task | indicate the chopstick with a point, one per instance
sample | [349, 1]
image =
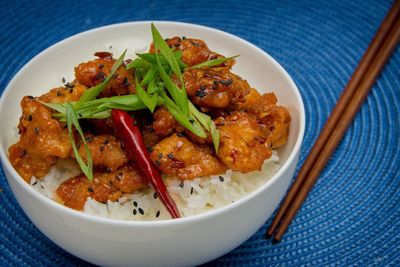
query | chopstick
[364, 77]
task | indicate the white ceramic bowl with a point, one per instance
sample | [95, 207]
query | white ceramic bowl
[187, 241]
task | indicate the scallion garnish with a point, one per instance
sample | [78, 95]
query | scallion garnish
[153, 81]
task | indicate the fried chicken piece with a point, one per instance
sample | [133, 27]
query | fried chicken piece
[163, 123]
[96, 71]
[42, 140]
[242, 145]
[28, 166]
[69, 93]
[177, 156]
[215, 87]
[111, 186]
[106, 151]
[273, 119]
[194, 51]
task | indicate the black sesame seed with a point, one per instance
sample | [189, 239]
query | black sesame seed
[30, 97]
[69, 85]
[155, 195]
[180, 134]
[221, 178]
[194, 44]
[106, 142]
[118, 176]
[100, 76]
[29, 117]
[88, 139]
[101, 66]
[158, 162]
[71, 90]
[125, 81]
[90, 190]
[215, 82]
[166, 39]
[181, 184]
[101, 148]
[158, 214]
[191, 191]
[226, 82]
[151, 130]
[110, 47]
[160, 155]
[150, 149]
[170, 155]
[134, 212]
[183, 37]
[35, 183]
[141, 211]
[214, 86]
[135, 203]
[63, 80]
[200, 94]
[36, 131]
[59, 93]
[202, 88]
[134, 123]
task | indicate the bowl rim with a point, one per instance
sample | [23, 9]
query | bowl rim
[195, 218]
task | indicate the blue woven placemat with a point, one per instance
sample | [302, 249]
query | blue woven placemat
[352, 216]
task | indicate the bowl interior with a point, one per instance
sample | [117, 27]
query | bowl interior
[46, 71]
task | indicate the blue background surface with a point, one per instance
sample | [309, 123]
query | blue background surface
[352, 216]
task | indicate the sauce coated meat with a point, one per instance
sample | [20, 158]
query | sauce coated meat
[106, 151]
[242, 145]
[105, 186]
[96, 71]
[215, 87]
[177, 156]
[194, 51]
[250, 125]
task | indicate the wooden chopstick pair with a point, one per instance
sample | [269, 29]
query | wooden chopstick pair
[354, 94]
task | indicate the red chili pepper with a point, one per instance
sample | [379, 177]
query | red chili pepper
[135, 148]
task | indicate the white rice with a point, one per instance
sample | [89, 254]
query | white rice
[192, 196]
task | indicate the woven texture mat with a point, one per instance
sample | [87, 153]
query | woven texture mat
[352, 216]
